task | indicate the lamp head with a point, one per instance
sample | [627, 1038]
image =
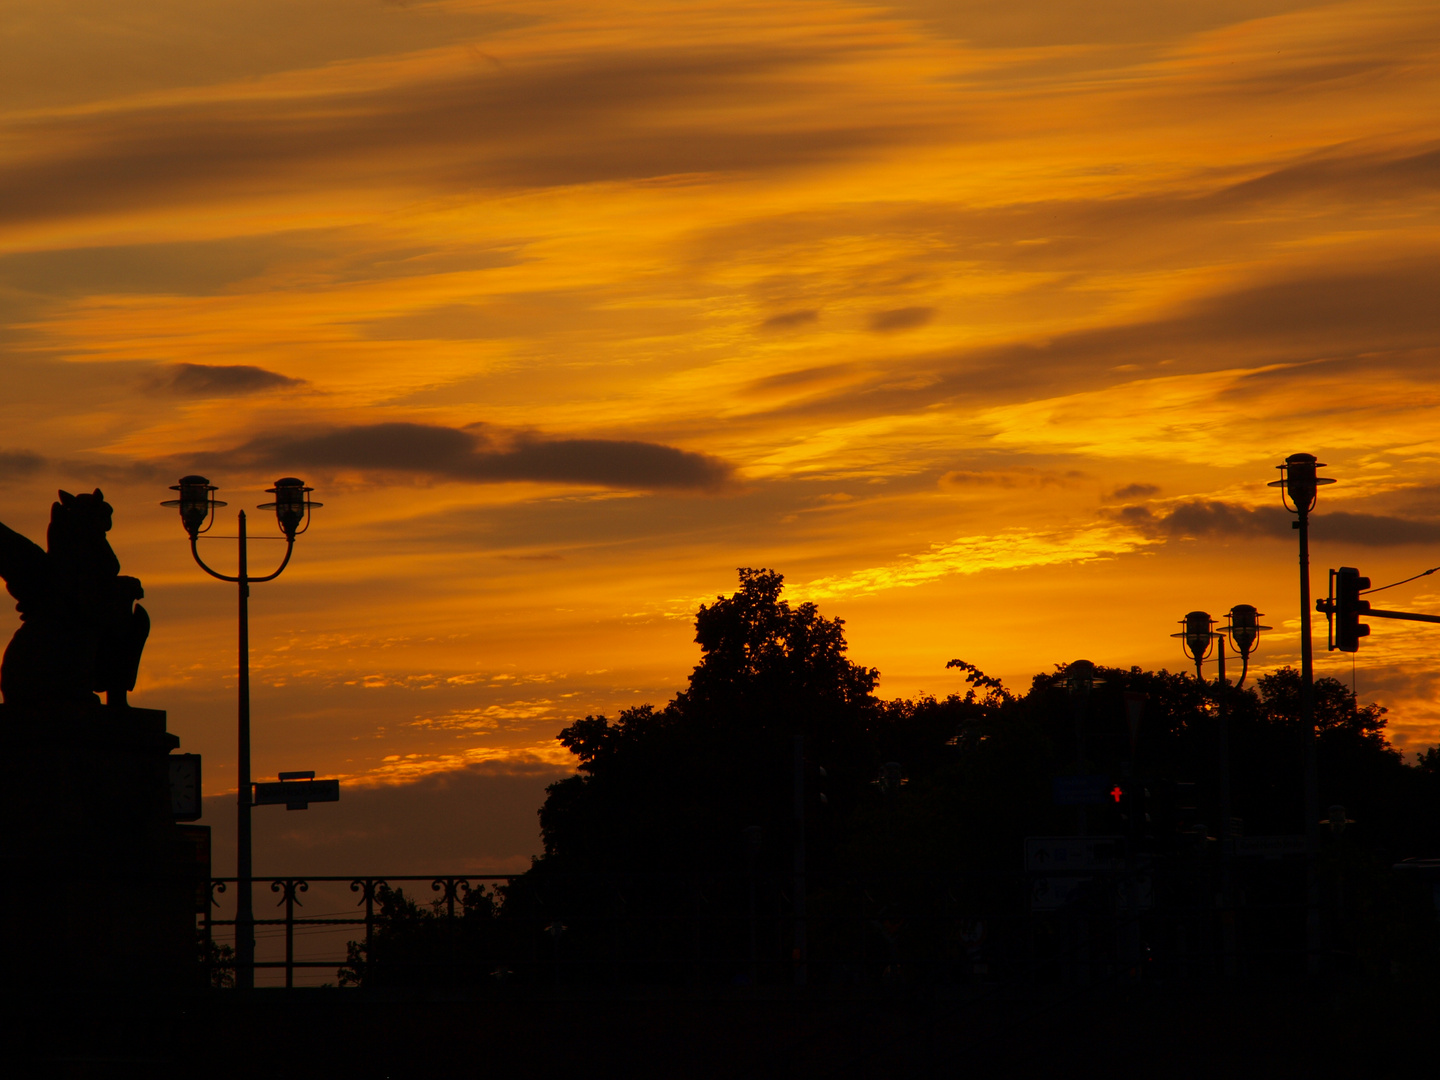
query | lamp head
[1080, 678]
[1244, 628]
[197, 502]
[1198, 638]
[1299, 482]
[292, 505]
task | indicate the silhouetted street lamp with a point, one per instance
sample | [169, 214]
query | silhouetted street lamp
[1299, 486]
[1198, 639]
[292, 506]
[1244, 630]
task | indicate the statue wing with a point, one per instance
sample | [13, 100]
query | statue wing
[22, 564]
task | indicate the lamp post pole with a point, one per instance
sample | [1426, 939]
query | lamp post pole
[244, 868]
[1222, 688]
[1198, 636]
[1227, 849]
[1299, 485]
[292, 508]
[1312, 765]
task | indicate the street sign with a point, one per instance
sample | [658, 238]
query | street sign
[1269, 846]
[297, 794]
[1047, 893]
[1080, 790]
[1067, 854]
[1062, 869]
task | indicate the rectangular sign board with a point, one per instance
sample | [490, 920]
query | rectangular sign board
[1061, 869]
[297, 794]
[1080, 790]
[1067, 854]
[1270, 846]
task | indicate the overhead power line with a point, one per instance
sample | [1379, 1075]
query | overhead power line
[1392, 585]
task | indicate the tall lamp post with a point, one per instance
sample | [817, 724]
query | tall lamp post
[1299, 485]
[1198, 637]
[292, 506]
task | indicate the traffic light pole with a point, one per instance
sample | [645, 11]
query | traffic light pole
[1380, 613]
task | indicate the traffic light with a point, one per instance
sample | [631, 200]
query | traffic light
[1129, 802]
[1349, 607]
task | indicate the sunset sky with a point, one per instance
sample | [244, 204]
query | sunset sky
[984, 323]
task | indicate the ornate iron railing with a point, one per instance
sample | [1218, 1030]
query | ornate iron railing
[977, 930]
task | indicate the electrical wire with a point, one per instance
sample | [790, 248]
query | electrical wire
[1392, 585]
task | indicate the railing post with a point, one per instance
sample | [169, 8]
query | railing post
[452, 887]
[366, 888]
[207, 924]
[288, 887]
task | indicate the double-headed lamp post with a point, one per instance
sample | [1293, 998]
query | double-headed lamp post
[1198, 638]
[1299, 485]
[292, 506]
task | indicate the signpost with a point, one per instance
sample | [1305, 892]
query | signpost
[296, 791]
[1269, 847]
[1062, 868]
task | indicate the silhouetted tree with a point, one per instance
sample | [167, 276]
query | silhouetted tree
[674, 788]
[420, 945]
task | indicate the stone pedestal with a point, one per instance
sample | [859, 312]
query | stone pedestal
[98, 890]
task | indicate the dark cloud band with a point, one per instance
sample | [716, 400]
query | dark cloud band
[479, 455]
[1201, 518]
[218, 380]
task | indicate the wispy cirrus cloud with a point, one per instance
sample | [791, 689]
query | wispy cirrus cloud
[1012, 549]
[583, 117]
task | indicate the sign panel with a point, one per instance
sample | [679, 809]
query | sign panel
[1047, 893]
[185, 786]
[297, 794]
[1062, 869]
[1080, 790]
[1065, 854]
[1270, 846]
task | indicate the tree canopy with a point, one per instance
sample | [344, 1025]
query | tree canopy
[677, 786]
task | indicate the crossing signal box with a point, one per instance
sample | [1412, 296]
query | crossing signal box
[1348, 607]
[1156, 810]
[1127, 803]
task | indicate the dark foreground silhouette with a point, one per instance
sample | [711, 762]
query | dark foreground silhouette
[81, 632]
[776, 825]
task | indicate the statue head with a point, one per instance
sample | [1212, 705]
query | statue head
[78, 520]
